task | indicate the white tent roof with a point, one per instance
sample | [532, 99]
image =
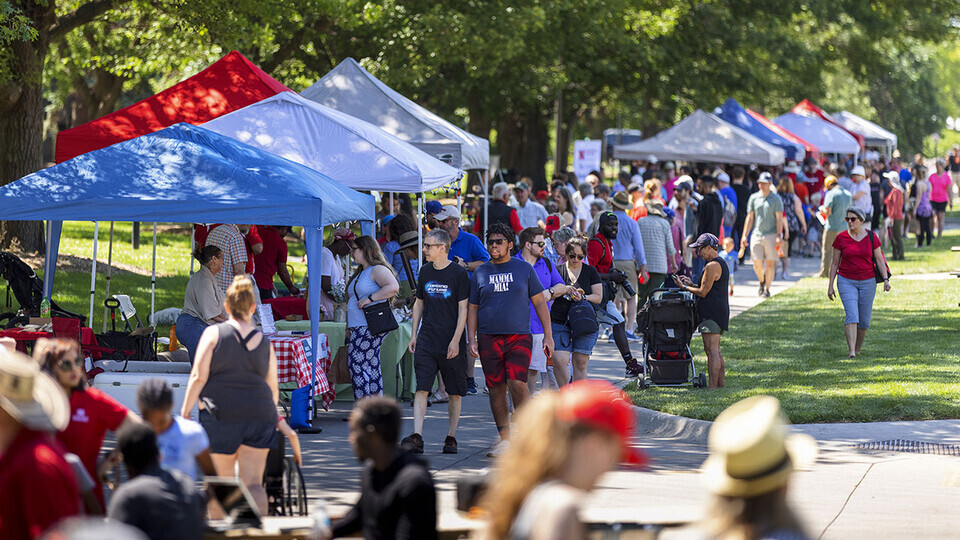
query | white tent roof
[827, 137]
[348, 150]
[874, 134]
[351, 89]
[704, 137]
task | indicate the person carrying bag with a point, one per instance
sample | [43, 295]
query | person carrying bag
[573, 317]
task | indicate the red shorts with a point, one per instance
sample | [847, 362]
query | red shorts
[504, 356]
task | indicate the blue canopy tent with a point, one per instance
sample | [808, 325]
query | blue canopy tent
[186, 173]
[734, 113]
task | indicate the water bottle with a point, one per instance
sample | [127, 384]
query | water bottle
[45, 307]
[174, 345]
[321, 521]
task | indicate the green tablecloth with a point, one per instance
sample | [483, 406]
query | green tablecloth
[396, 364]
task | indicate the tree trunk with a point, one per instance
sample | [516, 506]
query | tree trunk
[21, 135]
[522, 139]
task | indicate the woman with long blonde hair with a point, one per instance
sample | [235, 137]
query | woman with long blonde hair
[793, 214]
[564, 442]
[373, 281]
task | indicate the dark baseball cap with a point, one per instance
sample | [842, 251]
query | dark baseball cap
[706, 239]
[433, 207]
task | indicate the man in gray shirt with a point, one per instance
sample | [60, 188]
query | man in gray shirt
[765, 217]
[162, 503]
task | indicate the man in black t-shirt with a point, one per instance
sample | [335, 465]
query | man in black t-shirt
[439, 343]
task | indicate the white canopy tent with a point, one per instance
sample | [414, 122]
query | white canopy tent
[827, 137]
[704, 137]
[873, 134]
[352, 152]
[351, 89]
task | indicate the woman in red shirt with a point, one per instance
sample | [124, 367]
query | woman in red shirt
[855, 251]
[92, 413]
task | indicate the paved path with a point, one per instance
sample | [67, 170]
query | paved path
[848, 494]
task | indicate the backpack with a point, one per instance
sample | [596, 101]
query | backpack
[729, 211]
[581, 317]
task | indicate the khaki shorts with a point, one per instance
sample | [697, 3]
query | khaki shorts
[763, 248]
[630, 269]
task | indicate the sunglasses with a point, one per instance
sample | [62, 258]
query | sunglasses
[577, 257]
[541, 243]
[852, 219]
[496, 241]
[354, 248]
[67, 365]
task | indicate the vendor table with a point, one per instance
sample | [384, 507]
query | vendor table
[23, 337]
[293, 363]
[396, 364]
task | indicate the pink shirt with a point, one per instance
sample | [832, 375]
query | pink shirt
[940, 183]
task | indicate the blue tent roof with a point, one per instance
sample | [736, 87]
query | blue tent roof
[183, 173]
[734, 113]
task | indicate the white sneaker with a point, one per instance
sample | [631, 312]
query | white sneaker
[498, 449]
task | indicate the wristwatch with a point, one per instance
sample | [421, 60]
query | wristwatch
[550, 290]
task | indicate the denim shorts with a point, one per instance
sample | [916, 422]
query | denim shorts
[857, 298]
[563, 340]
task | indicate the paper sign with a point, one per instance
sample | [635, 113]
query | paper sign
[266, 319]
[586, 157]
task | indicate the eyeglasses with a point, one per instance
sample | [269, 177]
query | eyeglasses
[577, 257]
[851, 219]
[496, 241]
[426, 245]
[67, 365]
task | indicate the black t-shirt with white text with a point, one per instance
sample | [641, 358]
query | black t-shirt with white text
[441, 292]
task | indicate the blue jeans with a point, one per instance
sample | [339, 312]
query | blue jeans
[189, 330]
[697, 269]
[857, 297]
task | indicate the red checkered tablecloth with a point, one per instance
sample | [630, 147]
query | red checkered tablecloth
[293, 364]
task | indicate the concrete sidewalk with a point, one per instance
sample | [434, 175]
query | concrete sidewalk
[847, 494]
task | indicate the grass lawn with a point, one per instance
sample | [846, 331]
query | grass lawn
[929, 259]
[792, 347]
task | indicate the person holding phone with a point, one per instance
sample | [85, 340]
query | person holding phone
[713, 304]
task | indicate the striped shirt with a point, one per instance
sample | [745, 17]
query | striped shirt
[657, 242]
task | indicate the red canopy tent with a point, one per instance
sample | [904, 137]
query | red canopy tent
[231, 83]
[807, 108]
[811, 150]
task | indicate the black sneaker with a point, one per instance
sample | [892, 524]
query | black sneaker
[471, 386]
[633, 368]
[766, 293]
[761, 290]
[413, 443]
[450, 445]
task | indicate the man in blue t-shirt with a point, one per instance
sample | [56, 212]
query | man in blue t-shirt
[466, 250]
[531, 251]
[498, 325]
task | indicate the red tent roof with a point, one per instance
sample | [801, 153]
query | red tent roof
[231, 83]
[812, 151]
[807, 108]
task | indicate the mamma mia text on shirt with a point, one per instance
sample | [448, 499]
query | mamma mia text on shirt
[501, 282]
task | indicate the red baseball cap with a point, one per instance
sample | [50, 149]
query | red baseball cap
[553, 223]
[602, 405]
[542, 194]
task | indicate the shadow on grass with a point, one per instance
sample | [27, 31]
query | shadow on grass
[793, 347]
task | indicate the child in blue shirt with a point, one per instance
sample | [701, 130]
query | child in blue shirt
[729, 256]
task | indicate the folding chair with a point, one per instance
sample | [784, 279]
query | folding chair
[127, 311]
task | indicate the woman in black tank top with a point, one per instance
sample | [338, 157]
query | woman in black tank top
[713, 304]
[234, 378]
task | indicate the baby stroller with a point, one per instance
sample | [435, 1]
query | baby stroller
[668, 320]
[28, 290]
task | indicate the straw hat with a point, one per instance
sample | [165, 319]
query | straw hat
[621, 201]
[30, 396]
[751, 451]
[409, 239]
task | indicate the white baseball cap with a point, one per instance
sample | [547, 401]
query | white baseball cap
[448, 212]
[858, 170]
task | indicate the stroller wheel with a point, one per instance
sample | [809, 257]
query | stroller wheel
[643, 383]
[701, 380]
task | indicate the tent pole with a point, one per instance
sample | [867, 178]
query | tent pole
[93, 269]
[391, 202]
[421, 218]
[153, 277]
[109, 271]
[486, 204]
[193, 245]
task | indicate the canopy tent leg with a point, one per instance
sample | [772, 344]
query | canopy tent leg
[53, 251]
[422, 219]
[153, 276]
[109, 271]
[193, 246]
[93, 269]
[486, 204]
[313, 238]
[391, 204]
